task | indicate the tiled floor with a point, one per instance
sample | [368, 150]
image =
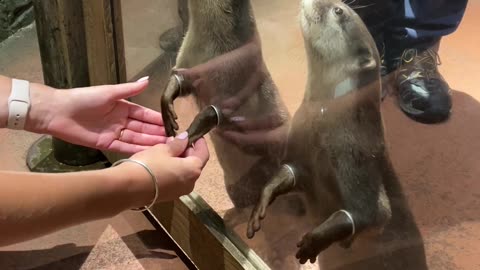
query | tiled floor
[437, 164]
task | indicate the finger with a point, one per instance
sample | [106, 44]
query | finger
[125, 90]
[126, 148]
[266, 122]
[178, 145]
[132, 137]
[200, 151]
[143, 114]
[252, 85]
[255, 137]
[189, 75]
[145, 128]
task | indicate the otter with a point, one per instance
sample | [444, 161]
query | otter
[336, 153]
[220, 63]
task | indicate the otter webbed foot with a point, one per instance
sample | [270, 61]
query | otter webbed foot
[281, 183]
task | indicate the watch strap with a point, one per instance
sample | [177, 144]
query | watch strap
[18, 104]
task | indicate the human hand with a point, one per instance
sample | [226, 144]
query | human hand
[176, 166]
[231, 77]
[267, 134]
[100, 117]
[228, 82]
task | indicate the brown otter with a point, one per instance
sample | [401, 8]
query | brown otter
[220, 63]
[336, 153]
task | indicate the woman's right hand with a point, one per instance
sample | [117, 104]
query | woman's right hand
[176, 166]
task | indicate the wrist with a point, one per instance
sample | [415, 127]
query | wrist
[135, 183]
[42, 105]
[5, 89]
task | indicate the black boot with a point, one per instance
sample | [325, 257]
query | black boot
[423, 93]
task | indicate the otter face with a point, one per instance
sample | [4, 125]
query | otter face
[336, 34]
[334, 31]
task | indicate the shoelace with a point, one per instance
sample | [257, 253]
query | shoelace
[425, 64]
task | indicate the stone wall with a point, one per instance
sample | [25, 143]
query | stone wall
[14, 14]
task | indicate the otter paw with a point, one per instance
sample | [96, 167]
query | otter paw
[308, 249]
[169, 117]
[254, 223]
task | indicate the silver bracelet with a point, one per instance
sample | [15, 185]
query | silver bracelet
[154, 179]
[351, 220]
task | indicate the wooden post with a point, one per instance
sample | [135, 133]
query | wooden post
[78, 48]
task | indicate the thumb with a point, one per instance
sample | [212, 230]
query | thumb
[177, 146]
[126, 90]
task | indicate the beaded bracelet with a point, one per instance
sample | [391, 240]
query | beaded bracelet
[154, 179]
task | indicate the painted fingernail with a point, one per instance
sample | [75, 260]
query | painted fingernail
[182, 136]
[143, 79]
[237, 119]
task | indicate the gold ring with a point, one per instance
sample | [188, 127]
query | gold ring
[121, 134]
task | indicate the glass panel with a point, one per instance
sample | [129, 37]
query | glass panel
[289, 97]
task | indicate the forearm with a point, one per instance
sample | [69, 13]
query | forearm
[32, 205]
[42, 102]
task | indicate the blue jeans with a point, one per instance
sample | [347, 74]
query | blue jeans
[411, 22]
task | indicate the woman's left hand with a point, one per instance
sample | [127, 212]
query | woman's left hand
[100, 117]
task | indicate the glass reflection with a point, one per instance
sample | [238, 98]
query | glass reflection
[298, 129]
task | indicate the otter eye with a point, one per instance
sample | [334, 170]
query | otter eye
[338, 11]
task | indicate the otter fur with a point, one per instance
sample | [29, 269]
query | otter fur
[220, 63]
[336, 153]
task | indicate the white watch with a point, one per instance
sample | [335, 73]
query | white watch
[18, 104]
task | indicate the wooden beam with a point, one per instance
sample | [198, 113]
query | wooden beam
[203, 236]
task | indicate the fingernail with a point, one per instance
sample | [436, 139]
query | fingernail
[143, 79]
[237, 119]
[182, 136]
